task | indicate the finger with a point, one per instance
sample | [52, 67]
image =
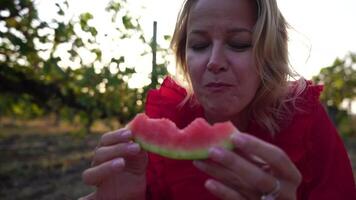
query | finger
[251, 176]
[222, 191]
[136, 164]
[274, 156]
[95, 175]
[252, 158]
[106, 153]
[220, 173]
[240, 173]
[110, 138]
[228, 177]
[91, 196]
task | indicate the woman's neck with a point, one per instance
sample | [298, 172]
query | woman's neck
[240, 121]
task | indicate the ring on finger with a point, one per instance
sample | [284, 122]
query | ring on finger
[274, 193]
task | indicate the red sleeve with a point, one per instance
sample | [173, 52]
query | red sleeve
[156, 188]
[330, 162]
[162, 102]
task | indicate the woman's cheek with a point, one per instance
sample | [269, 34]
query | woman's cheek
[196, 69]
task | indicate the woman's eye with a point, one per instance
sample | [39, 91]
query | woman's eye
[199, 47]
[239, 46]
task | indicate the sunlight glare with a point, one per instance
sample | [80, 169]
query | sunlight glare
[322, 30]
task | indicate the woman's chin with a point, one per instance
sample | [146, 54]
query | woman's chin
[218, 114]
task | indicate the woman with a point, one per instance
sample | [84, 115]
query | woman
[234, 55]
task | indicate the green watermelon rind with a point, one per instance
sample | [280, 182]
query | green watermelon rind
[182, 154]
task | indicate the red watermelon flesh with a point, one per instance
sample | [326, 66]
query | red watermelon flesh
[162, 136]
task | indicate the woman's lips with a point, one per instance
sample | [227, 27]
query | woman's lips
[218, 86]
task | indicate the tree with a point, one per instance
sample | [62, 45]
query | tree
[35, 75]
[339, 82]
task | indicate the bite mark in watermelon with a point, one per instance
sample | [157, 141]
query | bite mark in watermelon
[161, 136]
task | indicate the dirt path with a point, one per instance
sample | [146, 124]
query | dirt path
[41, 166]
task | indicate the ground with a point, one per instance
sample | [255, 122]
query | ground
[39, 161]
[42, 161]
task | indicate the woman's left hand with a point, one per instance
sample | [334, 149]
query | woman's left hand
[237, 175]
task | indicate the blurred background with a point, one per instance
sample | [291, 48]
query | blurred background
[71, 70]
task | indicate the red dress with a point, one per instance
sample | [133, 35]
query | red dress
[310, 140]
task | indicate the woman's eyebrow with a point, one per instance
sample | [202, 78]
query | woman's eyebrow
[229, 31]
[197, 32]
[238, 30]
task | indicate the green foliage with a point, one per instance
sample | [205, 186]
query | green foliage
[126, 20]
[33, 84]
[339, 82]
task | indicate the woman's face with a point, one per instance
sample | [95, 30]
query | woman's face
[219, 56]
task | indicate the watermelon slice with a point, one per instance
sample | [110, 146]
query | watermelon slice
[161, 136]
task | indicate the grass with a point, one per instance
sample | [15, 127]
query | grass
[41, 161]
[38, 163]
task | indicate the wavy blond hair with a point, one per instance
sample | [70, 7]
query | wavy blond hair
[270, 51]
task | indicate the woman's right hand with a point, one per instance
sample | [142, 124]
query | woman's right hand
[118, 168]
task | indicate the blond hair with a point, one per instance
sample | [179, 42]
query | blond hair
[270, 51]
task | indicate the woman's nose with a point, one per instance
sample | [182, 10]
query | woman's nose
[217, 60]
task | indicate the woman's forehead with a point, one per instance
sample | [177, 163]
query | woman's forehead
[218, 7]
[207, 13]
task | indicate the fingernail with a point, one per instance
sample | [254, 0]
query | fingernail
[216, 153]
[198, 164]
[239, 140]
[133, 148]
[126, 134]
[118, 163]
[210, 185]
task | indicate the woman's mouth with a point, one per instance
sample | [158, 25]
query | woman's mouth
[218, 86]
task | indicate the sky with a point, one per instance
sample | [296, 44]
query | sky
[321, 29]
